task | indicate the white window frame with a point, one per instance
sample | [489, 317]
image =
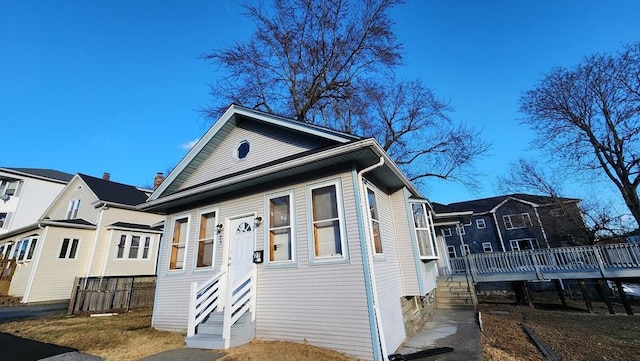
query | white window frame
[67, 251]
[481, 223]
[509, 218]
[533, 243]
[373, 222]
[450, 250]
[433, 247]
[292, 228]
[487, 247]
[236, 150]
[460, 230]
[446, 232]
[171, 235]
[5, 220]
[344, 256]
[72, 210]
[5, 187]
[213, 239]
[126, 247]
[464, 249]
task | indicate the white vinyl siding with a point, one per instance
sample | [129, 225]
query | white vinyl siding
[267, 144]
[406, 253]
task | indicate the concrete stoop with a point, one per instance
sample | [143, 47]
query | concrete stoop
[453, 293]
[209, 334]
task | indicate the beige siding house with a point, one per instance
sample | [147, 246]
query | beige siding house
[92, 229]
[281, 230]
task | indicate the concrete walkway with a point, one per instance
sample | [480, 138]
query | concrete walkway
[458, 329]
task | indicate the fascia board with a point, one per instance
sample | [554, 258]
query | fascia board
[66, 225]
[33, 176]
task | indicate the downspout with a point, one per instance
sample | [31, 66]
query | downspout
[375, 319]
[544, 234]
[495, 222]
[36, 257]
[95, 244]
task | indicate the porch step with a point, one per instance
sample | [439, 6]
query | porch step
[453, 293]
[209, 334]
[8, 301]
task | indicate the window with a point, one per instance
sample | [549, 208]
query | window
[280, 228]
[375, 222]
[452, 251]
[69, 248]
[3, 220]
[129, 247]
[423, 227]
[326, 221]
[242, 150]
[206, 239]
[72, 211]
[515, 221]
[24, 248]
[464, 249]
[10, 187]
[16, 250]
[6, 250]
[460, 230]
[480, 224]
[446, 232]
[524, 244]
[179, 243]
[487, 247]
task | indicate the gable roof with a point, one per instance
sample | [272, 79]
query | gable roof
[40, 173]
[488, 204]
[343, 149]
[221, 128]
[113, 192]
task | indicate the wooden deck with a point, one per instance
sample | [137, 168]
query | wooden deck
[612, 261]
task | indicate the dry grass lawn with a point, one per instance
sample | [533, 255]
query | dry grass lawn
[129, 336]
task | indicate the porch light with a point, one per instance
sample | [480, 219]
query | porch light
[219, 227]
[258, 221]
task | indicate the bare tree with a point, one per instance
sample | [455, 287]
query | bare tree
[588, 118]
[332, 63]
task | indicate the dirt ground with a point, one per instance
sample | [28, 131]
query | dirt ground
[571, 332]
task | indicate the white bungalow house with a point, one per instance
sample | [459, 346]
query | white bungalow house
[91, 229]
[281, 230]
[25, 193]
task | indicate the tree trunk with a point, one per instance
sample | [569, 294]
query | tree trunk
[630, 195]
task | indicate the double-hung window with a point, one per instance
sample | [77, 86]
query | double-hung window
[131, 246]
[10, 188]
[69, 248]
[206, 239]
[74, 206]
[281, 247]
[179, 243]
[327, 221]
[424, 231]
[487, 247]
[480, 223]
[464, 249]
[515, 221]
[374, 216]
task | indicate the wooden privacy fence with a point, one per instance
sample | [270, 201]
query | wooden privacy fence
[7, 268]
[100, 294]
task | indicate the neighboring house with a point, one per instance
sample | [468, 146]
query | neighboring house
[316, 233]
[512, 222]
[91, 229]
[25, 193]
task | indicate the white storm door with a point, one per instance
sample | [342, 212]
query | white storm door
[242, 236]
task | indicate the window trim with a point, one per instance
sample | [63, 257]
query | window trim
[216, 216]
[5, 187]
[69, 249]
[74, 206]
[175, 219]
[507, 218]
[292, 226]
[460, 230]
[446, 232]
[452, 248]
[531, 244]
[481, 220]
[372, 220]
[236, 150]
[126, 247]
[429, 228]
[344, 257]
[464, 249]
[484, 247]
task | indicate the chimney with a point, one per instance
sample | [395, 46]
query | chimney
[158, 180]
[106, 176]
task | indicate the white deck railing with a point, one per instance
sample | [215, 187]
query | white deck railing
[601, 261]
[205, 299]
[239, 299]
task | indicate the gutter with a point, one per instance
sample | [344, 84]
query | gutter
[375, 319]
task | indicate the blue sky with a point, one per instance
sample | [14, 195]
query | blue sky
[114, 86]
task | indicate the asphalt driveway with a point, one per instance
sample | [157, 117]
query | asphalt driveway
[34, 311]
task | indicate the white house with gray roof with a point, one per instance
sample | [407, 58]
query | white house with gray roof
[281, 230]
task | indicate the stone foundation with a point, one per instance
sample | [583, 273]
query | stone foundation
[416, 311]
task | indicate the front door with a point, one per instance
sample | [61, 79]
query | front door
[242, 238]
